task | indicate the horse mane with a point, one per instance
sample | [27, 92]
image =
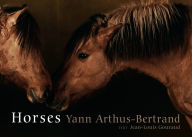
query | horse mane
[149, 28]
[27, 31]
[152, 28]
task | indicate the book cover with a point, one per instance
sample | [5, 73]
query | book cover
[95, 68]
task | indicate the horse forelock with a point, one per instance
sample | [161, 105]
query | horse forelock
[26, 30]
[149, 29]
[84, 32]
[28, 33]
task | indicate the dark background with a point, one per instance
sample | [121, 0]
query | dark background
[128, 93]
[59, 18]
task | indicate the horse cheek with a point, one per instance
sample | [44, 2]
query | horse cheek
[75, 72]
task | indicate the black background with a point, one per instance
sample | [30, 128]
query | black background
[128, 93]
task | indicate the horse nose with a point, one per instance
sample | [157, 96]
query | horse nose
[37, 98]
[34, 97]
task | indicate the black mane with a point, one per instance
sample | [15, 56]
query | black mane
[27, 30]
[149, 29]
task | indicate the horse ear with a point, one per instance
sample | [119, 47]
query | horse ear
[12, 17]
[104, 34]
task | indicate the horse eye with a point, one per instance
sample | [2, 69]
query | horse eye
[83, 56]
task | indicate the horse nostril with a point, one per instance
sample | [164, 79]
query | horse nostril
[33, 95]
[31, 90]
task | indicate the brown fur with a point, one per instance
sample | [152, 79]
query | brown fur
[108, 44]
[27, 70]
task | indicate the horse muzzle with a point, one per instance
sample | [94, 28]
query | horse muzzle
[35, 98]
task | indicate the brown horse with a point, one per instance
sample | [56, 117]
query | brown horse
[20, 60]
[153, 37]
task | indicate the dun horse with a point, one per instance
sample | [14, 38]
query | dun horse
[20, 58]
[153, 37]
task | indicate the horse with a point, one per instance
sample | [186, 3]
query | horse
[153, 37]
[21, 62]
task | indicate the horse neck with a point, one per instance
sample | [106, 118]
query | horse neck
[173, 70]
[160, 68]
